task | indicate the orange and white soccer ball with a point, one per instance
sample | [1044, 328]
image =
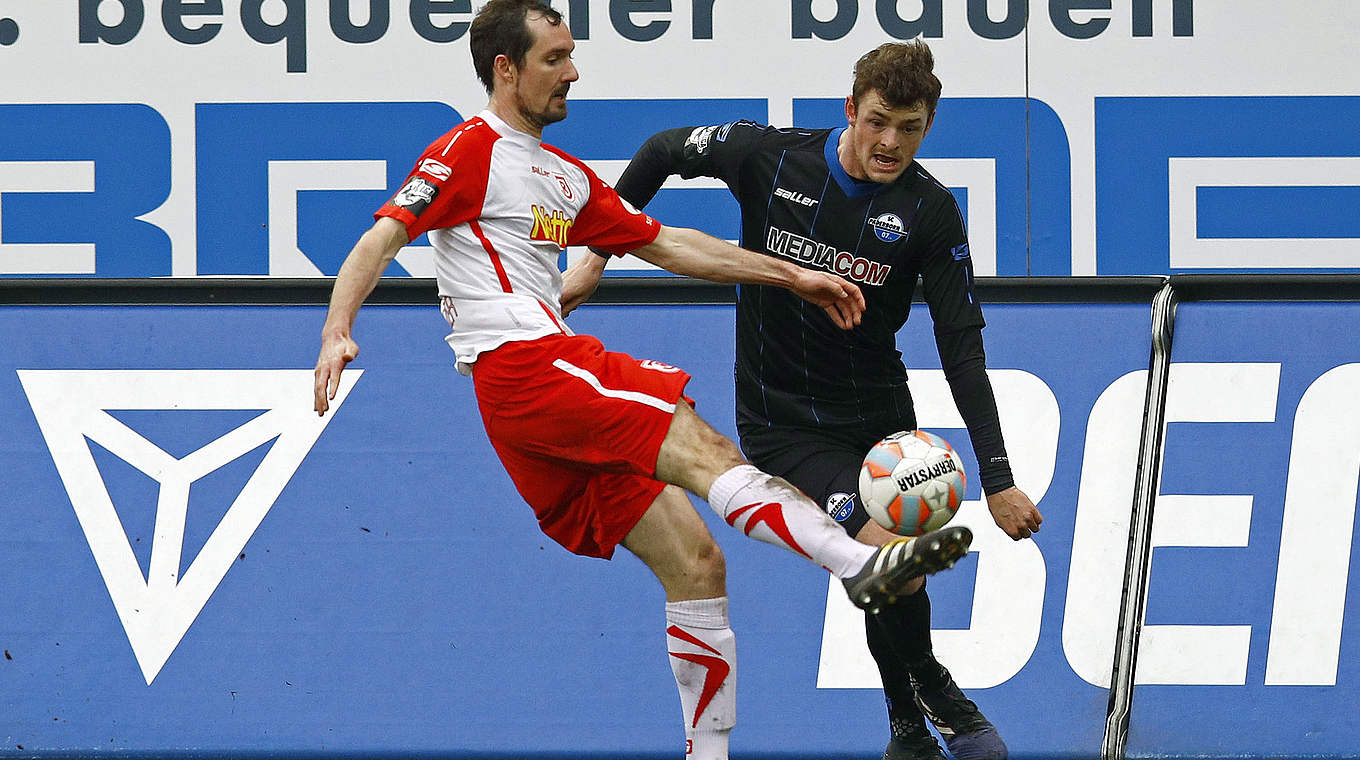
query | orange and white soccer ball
[911, 482]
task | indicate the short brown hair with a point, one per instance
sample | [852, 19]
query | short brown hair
[501, 27]
[901, 72]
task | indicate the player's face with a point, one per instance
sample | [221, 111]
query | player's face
[541, 84]
[881, 142]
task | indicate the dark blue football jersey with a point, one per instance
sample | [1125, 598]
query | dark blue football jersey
[794, 366]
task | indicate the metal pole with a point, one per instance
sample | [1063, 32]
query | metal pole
[1146, 483]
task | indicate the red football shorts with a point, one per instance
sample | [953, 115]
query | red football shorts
[578, 429]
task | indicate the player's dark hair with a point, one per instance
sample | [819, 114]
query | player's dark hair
[903, 74]
[501, 28]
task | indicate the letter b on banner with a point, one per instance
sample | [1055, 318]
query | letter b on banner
[70, 196]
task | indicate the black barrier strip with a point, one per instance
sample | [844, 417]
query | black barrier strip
[414, 291]
[1146, 480]
[1268, 287]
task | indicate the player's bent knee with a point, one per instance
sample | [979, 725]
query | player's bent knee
[710, 563]
[701, 575]
[693, 454]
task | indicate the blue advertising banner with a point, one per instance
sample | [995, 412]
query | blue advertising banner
[194, 561]
[1250, 612]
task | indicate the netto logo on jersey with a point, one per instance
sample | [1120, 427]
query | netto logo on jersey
[840, 505]
[550, 226]
[888, 227]
[795, 197]
[823, 256]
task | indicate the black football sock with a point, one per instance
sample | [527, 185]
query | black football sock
[903, 713]
[906, 623]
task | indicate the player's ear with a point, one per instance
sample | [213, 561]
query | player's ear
[850, 109]
[930, 120]
[504, 69]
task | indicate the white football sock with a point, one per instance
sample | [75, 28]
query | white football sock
[703, 654]
[771, 510]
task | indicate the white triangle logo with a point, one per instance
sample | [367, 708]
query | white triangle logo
[156, 611]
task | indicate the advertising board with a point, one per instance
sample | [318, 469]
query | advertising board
[145, 138]
[196, 562]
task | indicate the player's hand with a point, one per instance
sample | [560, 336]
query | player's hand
[1014, 513]
[580, 280]
[840, 298]
[336, 352]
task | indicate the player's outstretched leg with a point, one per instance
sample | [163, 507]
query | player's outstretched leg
[697, 458]
[882, 579]
[769, 509]
[967, 734]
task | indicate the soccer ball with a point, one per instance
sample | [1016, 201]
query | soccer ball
[911, 482]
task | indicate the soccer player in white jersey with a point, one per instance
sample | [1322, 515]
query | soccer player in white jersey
[591, 437]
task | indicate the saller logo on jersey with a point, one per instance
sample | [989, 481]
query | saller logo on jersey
[826, 257]
[795, 197]
[550, 226]
[416, 196]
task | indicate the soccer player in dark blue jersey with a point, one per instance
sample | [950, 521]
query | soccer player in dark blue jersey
[811, 398]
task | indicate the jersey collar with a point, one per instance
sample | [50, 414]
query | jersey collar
[503, 129]
[852, 187]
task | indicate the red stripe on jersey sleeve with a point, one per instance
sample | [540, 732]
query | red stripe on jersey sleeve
[607, 222]
[448, 184]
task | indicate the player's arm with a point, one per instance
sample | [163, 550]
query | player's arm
[695, 254]
[666, 153]
[580, 280]
[711, 151]
[965, 368]
[358, 276]
[660, 157]
[947, 284]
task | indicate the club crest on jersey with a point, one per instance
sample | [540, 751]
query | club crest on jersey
[564, 185]
[839, 505]
[416, 196]
[888, 227]
[959, 252]
[551, 226]
[561, 178]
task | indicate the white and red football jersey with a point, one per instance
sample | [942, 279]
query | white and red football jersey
[499, 207]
